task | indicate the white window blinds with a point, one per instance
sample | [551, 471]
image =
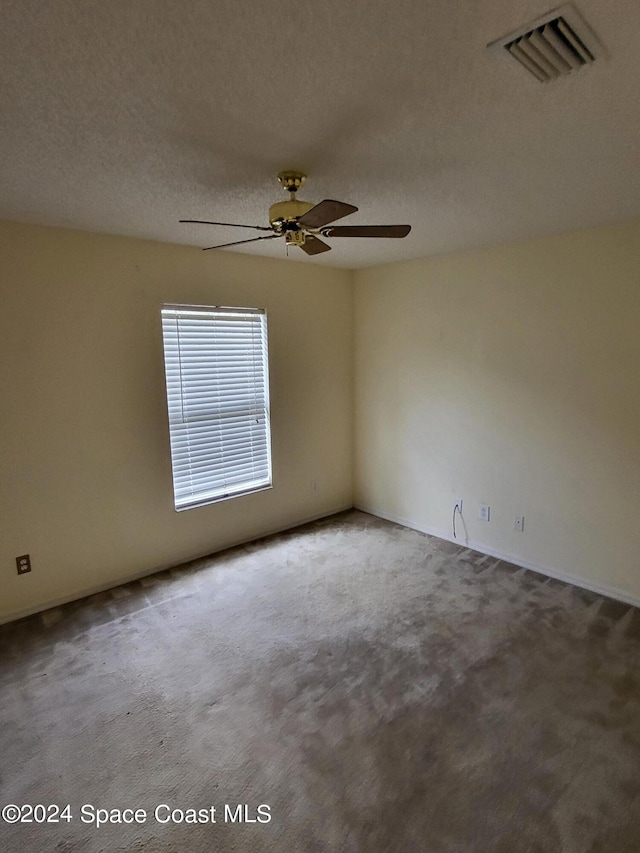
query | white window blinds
[218, 397]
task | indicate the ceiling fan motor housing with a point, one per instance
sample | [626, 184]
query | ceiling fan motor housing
[283, 215]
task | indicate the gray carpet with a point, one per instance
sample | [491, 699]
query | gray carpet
[378, 689]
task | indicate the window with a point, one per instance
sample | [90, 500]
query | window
[218, 397]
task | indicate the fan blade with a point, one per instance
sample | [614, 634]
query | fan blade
[230, 224]
[324, 212]
[238, 242]
[313, 246]
[367, 231]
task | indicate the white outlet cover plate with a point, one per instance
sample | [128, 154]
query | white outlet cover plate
[485, 512]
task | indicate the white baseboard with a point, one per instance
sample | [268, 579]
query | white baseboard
[575, 580]
[93, 590]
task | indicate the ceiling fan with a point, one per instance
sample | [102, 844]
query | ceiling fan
[302, 223]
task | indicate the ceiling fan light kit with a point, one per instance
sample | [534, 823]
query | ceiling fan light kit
[302, 223]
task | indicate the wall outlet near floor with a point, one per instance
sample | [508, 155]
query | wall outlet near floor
[314, 485]
[24, 564]
[519, 523]
[457, 505]
[485, 512]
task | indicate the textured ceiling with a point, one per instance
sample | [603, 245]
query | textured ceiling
[123, 117]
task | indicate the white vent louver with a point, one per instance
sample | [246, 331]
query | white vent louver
[556, 44]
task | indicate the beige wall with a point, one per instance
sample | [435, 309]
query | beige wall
[511, 377]
[86, 474]
[504, 376]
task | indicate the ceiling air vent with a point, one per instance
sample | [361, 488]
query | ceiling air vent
[555, 44]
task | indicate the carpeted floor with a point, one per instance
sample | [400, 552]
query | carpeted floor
[377, 689]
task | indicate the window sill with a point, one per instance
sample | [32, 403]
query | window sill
[219, 498]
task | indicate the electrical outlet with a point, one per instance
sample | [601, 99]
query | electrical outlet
[314, 485]
[519, 523]
[457, 505]
[24, 564]
[485, 512]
